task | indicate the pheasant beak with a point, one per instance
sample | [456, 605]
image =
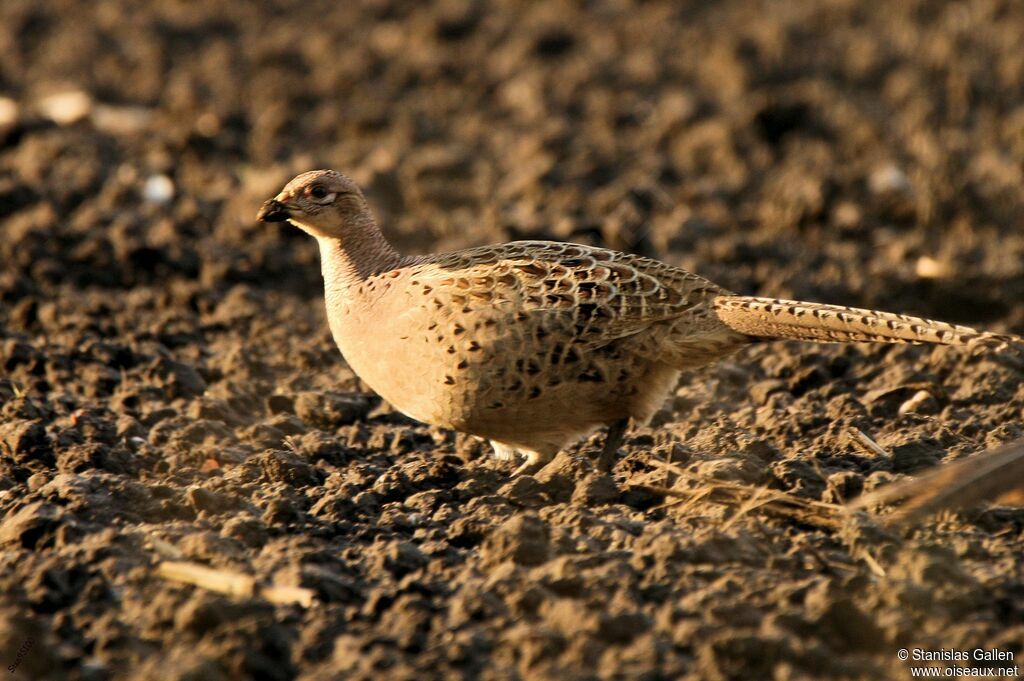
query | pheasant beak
[273, 211]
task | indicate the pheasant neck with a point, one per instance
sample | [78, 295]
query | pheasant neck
[360, 255]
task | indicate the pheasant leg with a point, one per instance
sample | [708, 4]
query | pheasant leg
[612, 442]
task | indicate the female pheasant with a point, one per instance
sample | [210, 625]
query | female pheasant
[535, 344]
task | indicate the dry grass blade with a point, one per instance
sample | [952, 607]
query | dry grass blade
[994, 475]
[871, 562]
[166, 549]
[766, 500]
[865, 441]
[287, 594]
[756, 500]
[221, 581]
[748, 499]
[232, 583]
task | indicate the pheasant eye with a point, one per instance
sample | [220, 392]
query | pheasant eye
[318, 192]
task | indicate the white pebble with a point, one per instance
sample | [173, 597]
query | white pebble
[921, 403]
[930, 268]
[158, 189]
[65, 108]
[889, 179]
[8, 111]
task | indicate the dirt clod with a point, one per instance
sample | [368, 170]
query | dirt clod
[523, 539]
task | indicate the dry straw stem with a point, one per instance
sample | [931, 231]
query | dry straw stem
[747, 499]
[166, 549]
[863, 440]
[996, 475]
[762, 499]
[232, 583]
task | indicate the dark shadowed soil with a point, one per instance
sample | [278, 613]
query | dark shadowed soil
[169, 388]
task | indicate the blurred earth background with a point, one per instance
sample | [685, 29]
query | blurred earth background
[169, 388]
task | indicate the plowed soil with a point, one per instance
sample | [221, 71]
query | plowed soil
[169, 389]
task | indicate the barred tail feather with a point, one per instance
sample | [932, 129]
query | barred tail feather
[767, 318]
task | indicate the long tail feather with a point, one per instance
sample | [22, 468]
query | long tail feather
[767, 318]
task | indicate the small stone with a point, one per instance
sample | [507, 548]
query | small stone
[885, 402]
[8, 112]
[928, 267]
[889, 179]
[65, 108]
[922, 402]
[158, 189]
